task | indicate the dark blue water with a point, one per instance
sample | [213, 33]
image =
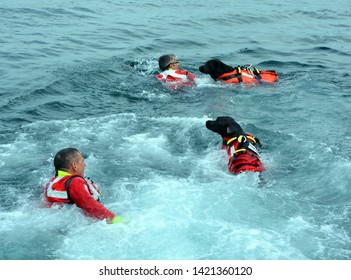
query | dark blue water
[81, 73]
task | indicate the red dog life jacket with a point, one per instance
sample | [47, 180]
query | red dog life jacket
[249, 75]
[242, 154]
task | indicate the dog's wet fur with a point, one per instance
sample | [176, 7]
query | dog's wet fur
[215, 68]
[225, 126]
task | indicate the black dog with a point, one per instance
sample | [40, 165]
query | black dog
[241, 146]
[240, 74]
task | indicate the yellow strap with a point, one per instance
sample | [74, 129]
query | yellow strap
[239, 70]
[240, 139]
[240, 150]
[231, 140]
[252, 138]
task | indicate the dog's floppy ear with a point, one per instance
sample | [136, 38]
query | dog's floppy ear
[231, 129]
[235, 129]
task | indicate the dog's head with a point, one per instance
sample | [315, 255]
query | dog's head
[215, 68]
[225, 126]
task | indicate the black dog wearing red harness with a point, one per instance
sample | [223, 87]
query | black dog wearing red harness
[242, 147]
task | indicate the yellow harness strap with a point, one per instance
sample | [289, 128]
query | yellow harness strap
[240, 138]
[231, 140]
[252, 138]
[240, 150]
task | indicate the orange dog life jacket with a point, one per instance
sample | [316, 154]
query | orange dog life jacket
[249, 75]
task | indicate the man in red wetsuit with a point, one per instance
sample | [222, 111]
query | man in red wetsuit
[70, 186]
[172, 75]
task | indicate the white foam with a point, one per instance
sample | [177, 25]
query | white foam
[176, 194]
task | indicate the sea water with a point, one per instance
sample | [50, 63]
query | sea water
[82, 74]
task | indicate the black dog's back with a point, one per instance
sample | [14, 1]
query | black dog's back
[215, 68]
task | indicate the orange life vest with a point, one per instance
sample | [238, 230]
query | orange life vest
[249, 75]
[176, 78]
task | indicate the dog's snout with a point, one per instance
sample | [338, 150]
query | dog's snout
[210, 124]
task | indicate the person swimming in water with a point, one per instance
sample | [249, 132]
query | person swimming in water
[70, 186]
[171, 74]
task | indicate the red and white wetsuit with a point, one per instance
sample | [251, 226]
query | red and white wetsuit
[79, 191]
